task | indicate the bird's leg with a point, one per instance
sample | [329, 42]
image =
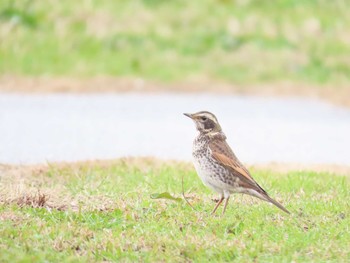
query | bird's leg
[217, 205]
[225, 205]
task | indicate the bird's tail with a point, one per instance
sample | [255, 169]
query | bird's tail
[260, 193]
[269, 199]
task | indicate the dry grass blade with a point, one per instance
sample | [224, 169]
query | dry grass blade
[36, 200]
[183, 194]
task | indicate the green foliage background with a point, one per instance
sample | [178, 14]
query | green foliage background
[242, 41]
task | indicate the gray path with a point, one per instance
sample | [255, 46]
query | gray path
[40, 128]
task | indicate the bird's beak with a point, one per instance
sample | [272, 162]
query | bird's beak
[188, 115]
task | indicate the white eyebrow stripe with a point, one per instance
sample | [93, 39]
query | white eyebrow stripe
[211, 117]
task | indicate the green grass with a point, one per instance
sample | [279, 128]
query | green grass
[240, 42]
[105, 213]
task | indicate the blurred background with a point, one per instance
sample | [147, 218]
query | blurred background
[102, 79]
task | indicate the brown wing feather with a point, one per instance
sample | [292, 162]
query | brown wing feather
[223, 154]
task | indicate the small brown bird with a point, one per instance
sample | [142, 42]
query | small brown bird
[218, 166]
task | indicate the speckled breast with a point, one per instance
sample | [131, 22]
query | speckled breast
[210, 172]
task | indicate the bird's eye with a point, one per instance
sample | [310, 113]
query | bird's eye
[203, 118]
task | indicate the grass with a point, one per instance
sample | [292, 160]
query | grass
[240, 42]
[105, 212]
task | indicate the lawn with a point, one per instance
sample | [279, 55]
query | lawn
[105, 212]
[241, 42]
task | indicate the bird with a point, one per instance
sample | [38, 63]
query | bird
[217, 165]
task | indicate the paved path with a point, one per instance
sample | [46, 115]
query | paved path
[40, 128]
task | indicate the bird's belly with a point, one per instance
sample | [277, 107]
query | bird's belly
[210, 174]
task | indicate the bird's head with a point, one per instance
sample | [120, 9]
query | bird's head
[205, 121]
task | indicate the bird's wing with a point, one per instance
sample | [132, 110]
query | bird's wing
[223, 154]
